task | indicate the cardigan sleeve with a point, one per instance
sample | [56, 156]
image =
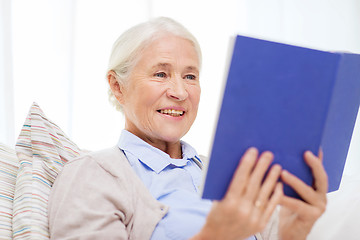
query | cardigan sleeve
[83, 204]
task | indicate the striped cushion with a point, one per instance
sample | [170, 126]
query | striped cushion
[42, 149]
[8, 167]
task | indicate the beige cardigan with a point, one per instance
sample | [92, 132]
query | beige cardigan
[99, 196]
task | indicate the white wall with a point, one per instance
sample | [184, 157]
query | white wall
[60, 52]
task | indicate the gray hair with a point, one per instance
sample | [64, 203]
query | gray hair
[126, 50]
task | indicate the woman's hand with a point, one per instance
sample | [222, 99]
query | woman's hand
[297, 217]
[249, 201]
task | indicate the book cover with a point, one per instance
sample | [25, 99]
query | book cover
[285, 99]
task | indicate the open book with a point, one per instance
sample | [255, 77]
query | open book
[285, 99]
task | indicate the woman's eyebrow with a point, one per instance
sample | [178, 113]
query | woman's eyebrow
[168, 66]
[192, 69]
[161, 65]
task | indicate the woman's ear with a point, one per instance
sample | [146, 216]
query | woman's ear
[115, 87]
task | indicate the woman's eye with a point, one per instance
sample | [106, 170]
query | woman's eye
[190, 77]
[160, 75]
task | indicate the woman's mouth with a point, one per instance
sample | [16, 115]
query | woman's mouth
[171, 112]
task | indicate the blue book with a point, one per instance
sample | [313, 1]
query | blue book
[285, 99]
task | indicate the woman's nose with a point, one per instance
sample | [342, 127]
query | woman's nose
[177, 89]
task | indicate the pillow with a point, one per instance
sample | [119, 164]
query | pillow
[8, 168]
[42, 149]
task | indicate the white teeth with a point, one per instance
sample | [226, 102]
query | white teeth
[172, 112]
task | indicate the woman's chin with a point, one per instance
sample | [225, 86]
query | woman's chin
[172, 135]
[172, 138]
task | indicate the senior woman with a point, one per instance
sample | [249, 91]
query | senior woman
[148, 185]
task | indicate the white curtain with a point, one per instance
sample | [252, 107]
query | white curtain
[6, 82]
[43, 61]
[56, 52]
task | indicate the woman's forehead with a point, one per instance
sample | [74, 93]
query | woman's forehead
[169, 50]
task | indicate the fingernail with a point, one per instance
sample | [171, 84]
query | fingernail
[277, 167]
[268, 154]
[285, 173]
[252, 150]
[309, 153]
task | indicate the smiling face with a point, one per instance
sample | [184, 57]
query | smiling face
[160, 100]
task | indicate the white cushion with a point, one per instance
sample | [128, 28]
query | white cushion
[42, 149]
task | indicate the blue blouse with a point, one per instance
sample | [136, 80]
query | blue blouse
[174, 182]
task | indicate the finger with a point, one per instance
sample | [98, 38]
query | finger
[242, 172]
[321, 154]
[318, 171]
[295, 205]
[273, 202]
[303, 209]
[258, 174]
[269, 184]
[306, 192]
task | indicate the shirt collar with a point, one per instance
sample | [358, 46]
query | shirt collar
[152, 157]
